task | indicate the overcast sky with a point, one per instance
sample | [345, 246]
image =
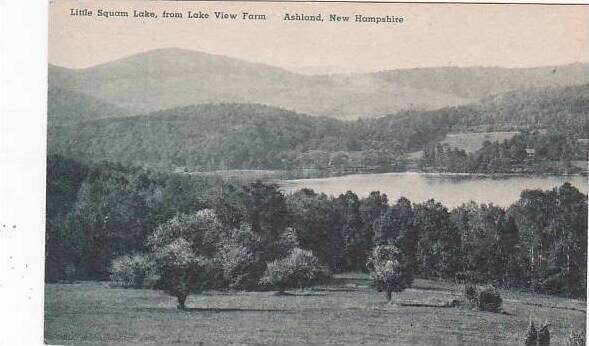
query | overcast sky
[431, 35]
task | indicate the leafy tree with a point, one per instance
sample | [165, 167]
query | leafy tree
[132, 271]
[438, 252]
[553, 228]
[317, 227]
[239, 259]
[239, 255]
[64, 178]
[390, 270]
[397, 227]
[567, 232]
[299, 269]
[106, 221]
[184, 249]
[263, 207]
[510, 255]
[371, 209]
[181, 271]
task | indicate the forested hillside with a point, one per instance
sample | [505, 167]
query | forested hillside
[558, 108]
[234, 136]
[204, 137]
[564, 109]
[242, 136]
[67, 106]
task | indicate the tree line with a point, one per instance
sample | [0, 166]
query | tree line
[99, 213]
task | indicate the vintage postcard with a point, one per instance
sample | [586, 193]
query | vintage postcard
[316, 173]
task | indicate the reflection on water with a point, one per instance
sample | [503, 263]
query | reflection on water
[450, 189]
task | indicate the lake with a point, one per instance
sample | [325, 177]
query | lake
[450, 189]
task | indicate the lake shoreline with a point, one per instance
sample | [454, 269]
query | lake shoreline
[451, 189]
[311, 173]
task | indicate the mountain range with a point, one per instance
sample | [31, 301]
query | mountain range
[168, 78]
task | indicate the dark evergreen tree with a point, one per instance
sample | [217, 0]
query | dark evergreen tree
[531, 337]
[347, 208]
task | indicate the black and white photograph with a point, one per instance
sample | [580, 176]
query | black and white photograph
[316, 173]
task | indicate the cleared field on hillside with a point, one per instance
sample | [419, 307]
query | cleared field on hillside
[471, 142]
[347, 311]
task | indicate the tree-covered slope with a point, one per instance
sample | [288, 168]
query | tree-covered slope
[237, 136]
[202, 137]
[68, 106]
[558, 108]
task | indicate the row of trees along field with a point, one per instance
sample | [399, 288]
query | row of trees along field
[552, 151]
[104, 220]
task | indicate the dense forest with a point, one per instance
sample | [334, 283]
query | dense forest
[234, 136]
[206, 137]
[97, 213]
[251, 136]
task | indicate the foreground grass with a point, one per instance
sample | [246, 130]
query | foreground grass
[347, 311]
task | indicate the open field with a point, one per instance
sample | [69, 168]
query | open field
[347, 311]
[470, 142]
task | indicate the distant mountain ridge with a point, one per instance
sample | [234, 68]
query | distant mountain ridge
[169, 78]
[482, 82]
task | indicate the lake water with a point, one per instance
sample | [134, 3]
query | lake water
[450, 189]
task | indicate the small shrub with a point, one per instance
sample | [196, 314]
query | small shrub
[576, 339]
[132, 271]
[531, 338]
[69, 273]
[483, 299]
[489, 300]
[471, 295]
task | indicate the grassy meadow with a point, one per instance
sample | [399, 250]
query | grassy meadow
[345, 311]
[469, 141]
